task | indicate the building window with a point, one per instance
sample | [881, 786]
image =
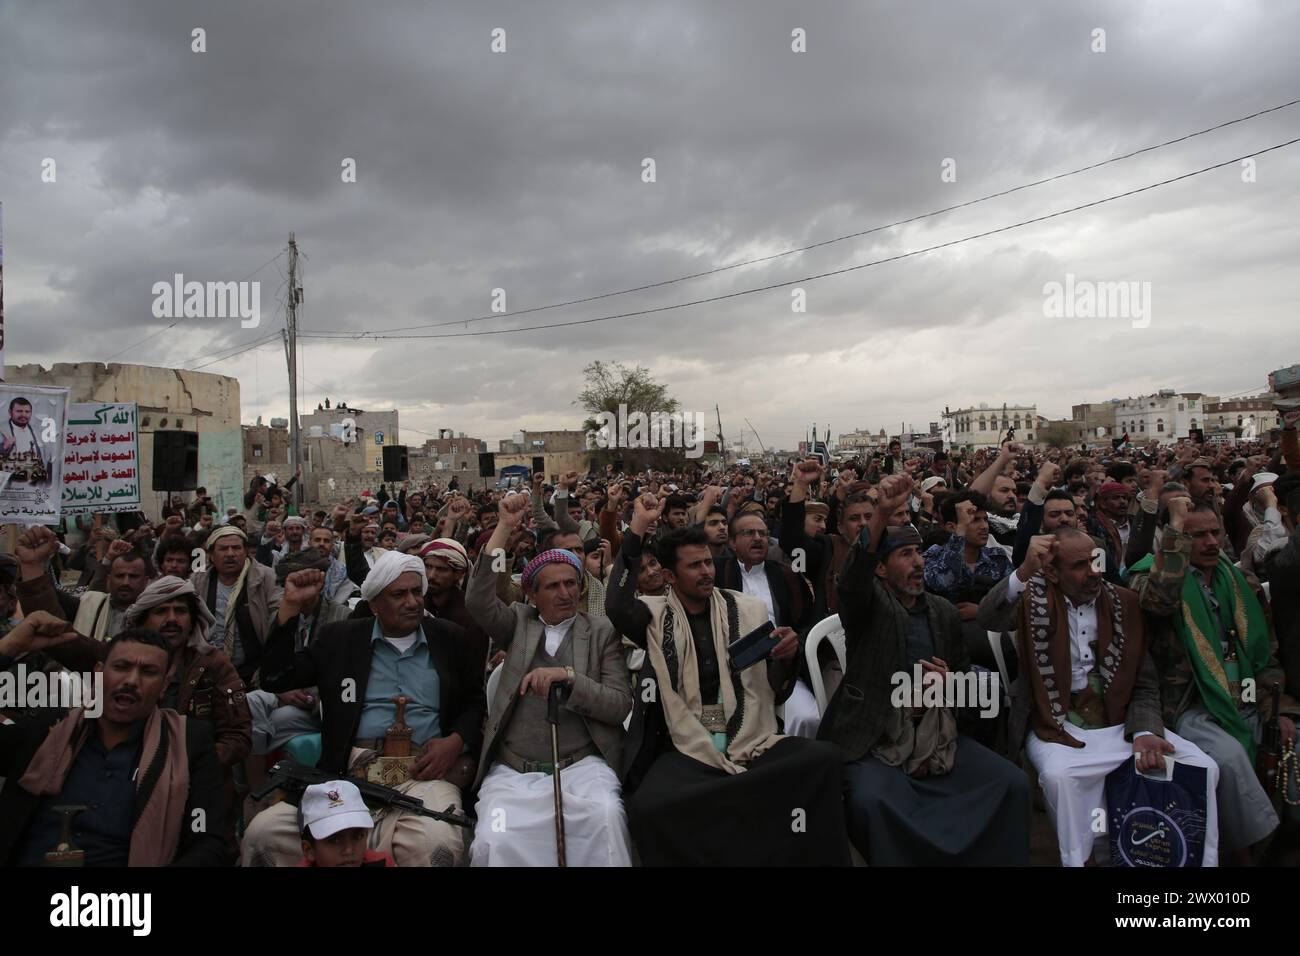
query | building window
[1029, 436]
[983, 424]
[1142, 425]
[1180, 406]
[1017, 423]
[1240, 421]
[257, 451]
[1160, 424]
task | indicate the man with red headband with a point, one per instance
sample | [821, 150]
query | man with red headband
[445, 563]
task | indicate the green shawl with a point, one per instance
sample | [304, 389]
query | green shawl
[1199, 633]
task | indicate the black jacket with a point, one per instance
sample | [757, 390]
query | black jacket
[19, 743]
[875, 639]
[790, 595]
[342, 651]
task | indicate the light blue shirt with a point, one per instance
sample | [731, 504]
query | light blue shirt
[392, 673]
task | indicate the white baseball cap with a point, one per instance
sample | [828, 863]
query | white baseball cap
[1261, 479]
[330, 807]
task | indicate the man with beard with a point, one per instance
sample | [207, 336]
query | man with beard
[173, 557]
[824, 555]
[1000, 491]
[715, 532]
[242, 596]
[1071, 621]
[703, 734]
[784, 596]
[295, 540]
[202, 682]
[338, 588]
[1110, 522]
[93, 613]
[134, 819]
[445, 564]
[1047, 508]
[1201, 482]
[917, 789]
[18, 436]
[364, 669]
[549, 642]
[1210, 641]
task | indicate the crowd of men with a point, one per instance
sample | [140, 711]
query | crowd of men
[422, 641]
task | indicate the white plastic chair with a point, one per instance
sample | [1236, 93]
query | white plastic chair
[995, 644]
[494, 679]
[831, 630]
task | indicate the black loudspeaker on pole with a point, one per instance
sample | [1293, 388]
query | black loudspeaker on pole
[175, 461]
[395, 463]
[487, 464]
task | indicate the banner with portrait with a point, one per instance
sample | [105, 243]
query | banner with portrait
[32, 426]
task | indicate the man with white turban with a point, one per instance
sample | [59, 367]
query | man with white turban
[361, 667]
[241, 594]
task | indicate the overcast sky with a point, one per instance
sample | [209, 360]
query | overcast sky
[522, 170]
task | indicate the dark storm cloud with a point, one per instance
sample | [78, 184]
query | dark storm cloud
[522, 171]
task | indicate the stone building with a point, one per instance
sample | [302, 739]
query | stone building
[167, 400]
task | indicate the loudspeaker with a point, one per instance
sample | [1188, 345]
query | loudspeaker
[395, 464]
[539, 464]
[175, 461]
[487, 464]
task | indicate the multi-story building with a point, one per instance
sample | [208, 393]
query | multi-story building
[450, 443]
[983, 426]
[1095, 420]
[1164, 416]
[374, 429]
[1240, 412]
[1285, 381]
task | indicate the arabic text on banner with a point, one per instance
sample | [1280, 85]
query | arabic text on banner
[101, 458]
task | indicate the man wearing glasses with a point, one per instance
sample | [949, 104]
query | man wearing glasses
[749, 569]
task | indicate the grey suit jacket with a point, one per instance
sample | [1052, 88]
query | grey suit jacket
[601, 691]
[996, 613]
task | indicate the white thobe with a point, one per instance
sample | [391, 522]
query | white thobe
[1073, 779]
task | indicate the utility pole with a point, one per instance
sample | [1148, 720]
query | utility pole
[291, 353]
[722, 442]
[762, 449]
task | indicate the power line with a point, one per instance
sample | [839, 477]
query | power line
[238, 351]
[826, 242]
[182, 317]
[835, 272]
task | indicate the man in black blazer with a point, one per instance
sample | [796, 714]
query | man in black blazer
[748, 569]
[361, 667]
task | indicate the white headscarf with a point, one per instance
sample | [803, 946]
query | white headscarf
[388, 568]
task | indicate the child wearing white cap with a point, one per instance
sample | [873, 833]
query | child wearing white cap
[336, 827]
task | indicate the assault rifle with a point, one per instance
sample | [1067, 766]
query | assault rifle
[293, 778]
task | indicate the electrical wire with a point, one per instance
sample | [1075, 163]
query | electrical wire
[825, 242]
[182, 317]
[824, 275]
